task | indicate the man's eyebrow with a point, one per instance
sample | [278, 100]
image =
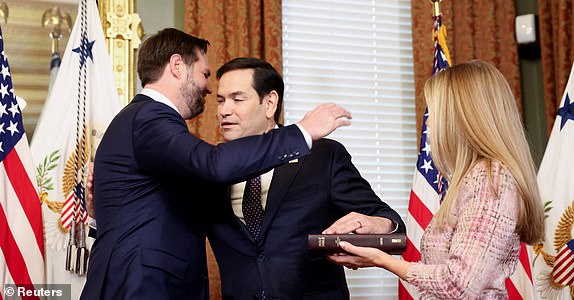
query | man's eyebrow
[233, 94]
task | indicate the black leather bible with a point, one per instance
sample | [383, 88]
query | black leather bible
[392, 243]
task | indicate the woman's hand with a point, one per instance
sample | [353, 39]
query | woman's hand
[362, 257]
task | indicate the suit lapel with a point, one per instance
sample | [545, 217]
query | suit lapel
[283, 177]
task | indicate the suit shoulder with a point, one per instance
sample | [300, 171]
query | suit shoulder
[328, 145]
[148, 104]
[146, 109]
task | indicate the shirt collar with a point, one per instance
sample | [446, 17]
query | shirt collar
[159, 97]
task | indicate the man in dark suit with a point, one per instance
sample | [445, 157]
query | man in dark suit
[152, 178]
[305, 196]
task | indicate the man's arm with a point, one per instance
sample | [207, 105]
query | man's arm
[165, 147]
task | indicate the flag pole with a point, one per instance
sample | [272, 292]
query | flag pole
[436, 7]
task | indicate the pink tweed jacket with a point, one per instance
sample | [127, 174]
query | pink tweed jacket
[471, 259]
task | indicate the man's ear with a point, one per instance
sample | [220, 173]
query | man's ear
[176, 65]
[270, 101]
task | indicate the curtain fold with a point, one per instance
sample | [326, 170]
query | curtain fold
[476, 29]
[557, 51]
[234, 28]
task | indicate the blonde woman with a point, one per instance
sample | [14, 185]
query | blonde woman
[492, 204]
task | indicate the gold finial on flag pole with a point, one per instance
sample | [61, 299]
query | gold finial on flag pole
[4, 11]
[436, 7]
[58, 21]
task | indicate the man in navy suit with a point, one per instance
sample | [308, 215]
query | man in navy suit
[308, 195]
[152, 178]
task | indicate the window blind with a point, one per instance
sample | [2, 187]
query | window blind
[358, 53]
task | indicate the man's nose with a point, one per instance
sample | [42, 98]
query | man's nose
[225, 108]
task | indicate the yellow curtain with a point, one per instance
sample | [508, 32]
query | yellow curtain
[557, 51]
[476, 29]
[234, 28]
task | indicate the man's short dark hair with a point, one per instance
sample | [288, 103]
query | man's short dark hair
[265, 78]
[156, 50]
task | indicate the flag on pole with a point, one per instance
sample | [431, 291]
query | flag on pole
[428, 184]
[429, 187]
[553, 259]
[82, 102]
[54, 67]
[21, 235]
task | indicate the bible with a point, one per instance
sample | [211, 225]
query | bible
[392, 243]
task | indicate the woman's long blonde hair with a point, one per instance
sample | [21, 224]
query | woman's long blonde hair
[473, 117]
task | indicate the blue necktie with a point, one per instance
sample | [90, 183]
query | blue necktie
[251, 207]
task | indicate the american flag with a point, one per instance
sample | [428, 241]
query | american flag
[428, 184]
[429, 187]
[21, 235]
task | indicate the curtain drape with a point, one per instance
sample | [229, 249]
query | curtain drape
[476, 29]
[557, 51]
[234, 28]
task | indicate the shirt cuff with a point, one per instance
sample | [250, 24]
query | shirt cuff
[307, 136]
[92, 223]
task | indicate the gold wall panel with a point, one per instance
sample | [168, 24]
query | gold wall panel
[123, 32]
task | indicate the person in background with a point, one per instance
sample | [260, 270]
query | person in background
[269, 259]
[492, 204]
[152, 177]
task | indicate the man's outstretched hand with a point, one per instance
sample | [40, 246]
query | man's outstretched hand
[324, 119]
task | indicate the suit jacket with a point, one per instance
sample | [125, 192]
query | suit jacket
[152, 182]
[304, 197]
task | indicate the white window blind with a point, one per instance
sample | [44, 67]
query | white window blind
[358, 53]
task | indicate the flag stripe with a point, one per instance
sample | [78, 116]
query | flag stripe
[521, 279]
[27, 195]
[568, 277]
[565, 277]
[525, 261]
[4, 274]
[513, 293]
[404, 293]
[426, 192]
[15, 261]
[417, 208]
[563, 255]
[563, 266]
[412, 253]
[20, 228]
